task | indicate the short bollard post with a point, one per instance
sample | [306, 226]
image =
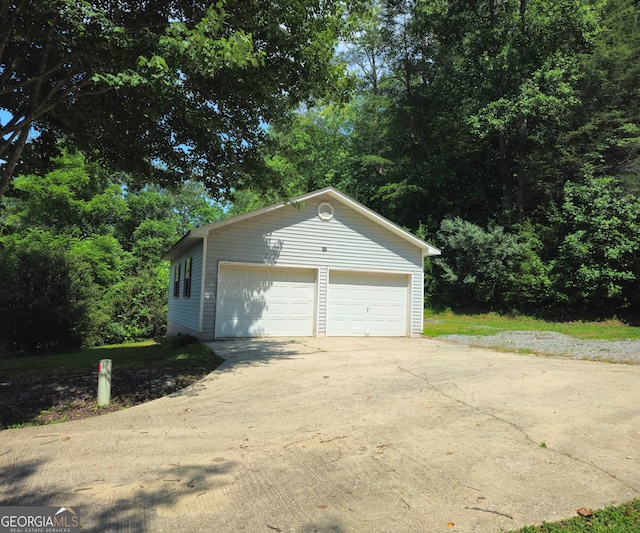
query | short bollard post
[104, 382]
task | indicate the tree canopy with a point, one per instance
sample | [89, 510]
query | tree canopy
[506, 132]
[165, 90]
[486, 124]
[80, 251]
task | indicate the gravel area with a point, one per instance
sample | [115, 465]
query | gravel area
[556, 344]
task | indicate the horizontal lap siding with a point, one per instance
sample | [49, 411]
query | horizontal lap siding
[186, 311]
[294, 236]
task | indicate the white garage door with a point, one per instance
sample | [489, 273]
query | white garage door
[367, 304]
[259, 301]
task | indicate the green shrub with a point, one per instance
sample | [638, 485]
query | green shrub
[597, 235]
[183, 339]
[531, 290]
[47, 295]
[482, 269]
[138, 306]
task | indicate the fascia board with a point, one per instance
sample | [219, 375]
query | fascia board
[175, 250]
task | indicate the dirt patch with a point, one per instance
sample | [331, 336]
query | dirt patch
[40, 400]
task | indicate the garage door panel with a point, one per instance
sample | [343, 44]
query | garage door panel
[394, 296]
[242, 327]
[381, 311]
[253, 275]
[297, 309]
[237, 308]
[260, 301]
[300, 292]
[363, 304]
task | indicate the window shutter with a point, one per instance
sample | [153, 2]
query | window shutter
[176, 281]
[187, 277]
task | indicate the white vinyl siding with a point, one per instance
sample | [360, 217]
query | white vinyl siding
[367, 304]
[184, 313]
[296, 236]
[255, 301]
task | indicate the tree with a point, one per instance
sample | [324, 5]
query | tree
[510, 72]
[75, 197]
[80, 253]
[479, 269]
[597, 262]
[48, 298]
[163, 90]
[605, 133]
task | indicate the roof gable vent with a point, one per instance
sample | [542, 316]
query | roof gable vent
[325, 211]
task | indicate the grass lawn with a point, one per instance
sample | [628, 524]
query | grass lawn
[619, 519]
[448, 323]
[47, 389]
[124, 356]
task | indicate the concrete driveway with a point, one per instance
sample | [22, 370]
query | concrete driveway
[346, 435]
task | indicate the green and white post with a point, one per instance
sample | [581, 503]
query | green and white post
[104, 382]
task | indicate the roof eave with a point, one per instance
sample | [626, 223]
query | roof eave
[175, 250]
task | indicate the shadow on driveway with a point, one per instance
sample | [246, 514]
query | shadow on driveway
[130, 512]
[249, 352]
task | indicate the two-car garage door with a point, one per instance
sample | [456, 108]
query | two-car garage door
[258, 301]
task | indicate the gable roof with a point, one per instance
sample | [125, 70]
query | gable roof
[195, 234]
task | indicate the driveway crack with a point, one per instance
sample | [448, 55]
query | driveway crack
[516, 427]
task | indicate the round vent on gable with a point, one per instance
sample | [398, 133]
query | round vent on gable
[325, 211]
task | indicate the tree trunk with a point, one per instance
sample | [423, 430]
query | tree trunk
[493, 15]
[14, 157]
[505, 174]
[522, 167]
[374, 74]
[33, 103]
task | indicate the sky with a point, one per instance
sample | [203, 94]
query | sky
[4, 118]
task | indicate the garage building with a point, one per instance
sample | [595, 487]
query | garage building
[320, 265]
